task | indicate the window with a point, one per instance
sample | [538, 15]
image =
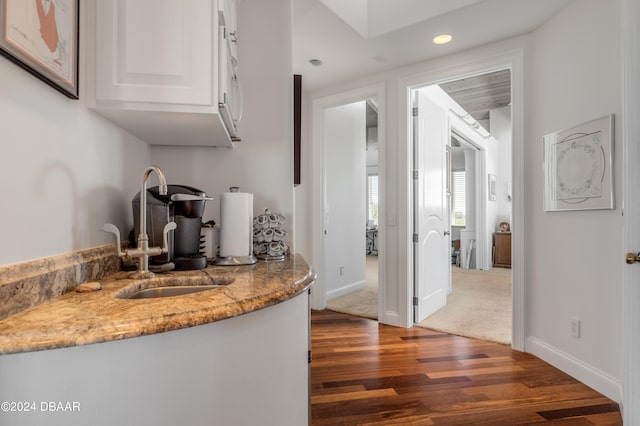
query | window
[458, 207]
[372, 199]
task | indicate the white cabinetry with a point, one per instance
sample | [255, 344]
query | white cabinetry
[244, 371]
[165, 70]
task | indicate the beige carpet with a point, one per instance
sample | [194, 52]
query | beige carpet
[479, 306]
[363, 302]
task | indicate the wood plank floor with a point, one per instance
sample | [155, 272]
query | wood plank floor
[364, 373]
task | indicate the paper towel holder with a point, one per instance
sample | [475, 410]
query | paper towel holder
[235, 260]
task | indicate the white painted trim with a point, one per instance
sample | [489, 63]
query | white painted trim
[631, 209]
[517, 202]
[405, 289]
[317, 194]
[482, 199]
[514, 61]
[581, 371]
[346, 289]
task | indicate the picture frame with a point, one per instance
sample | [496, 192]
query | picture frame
[41, 36]
[493, 196]
[578, 167]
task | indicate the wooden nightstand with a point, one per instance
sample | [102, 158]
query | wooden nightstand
[502, 250]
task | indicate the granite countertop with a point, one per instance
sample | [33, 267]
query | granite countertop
[74, 319]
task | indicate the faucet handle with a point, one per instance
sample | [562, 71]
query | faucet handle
[110, 227]
[165, 235]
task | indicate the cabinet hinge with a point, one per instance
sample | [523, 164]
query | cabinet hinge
[309, 357]
[415, 238]
[414, 111]
[415, 301]
[415, 174]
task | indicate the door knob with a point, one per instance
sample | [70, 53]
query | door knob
[632, 258]
[447, 233]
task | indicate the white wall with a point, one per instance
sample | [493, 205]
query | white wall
[302, 203]
[64, 170]
[574, 259]
[500, 120]
[344, 135]
[262, 163]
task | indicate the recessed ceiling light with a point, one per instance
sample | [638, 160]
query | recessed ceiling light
[442, 39]
[314, 62]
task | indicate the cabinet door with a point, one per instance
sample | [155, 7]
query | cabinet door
[155, 51]
[229, 93]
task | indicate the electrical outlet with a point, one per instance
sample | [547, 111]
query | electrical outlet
[575, 327]
[341, 270]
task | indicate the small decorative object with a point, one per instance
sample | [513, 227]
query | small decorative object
[88, 287]
[268, 236]
[41, 36]
[492, 188]
[504, 227]
[578, 165]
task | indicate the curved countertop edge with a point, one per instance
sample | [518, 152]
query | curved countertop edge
[27, 340]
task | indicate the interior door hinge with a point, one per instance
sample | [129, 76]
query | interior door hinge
[415, 238]
[309, 358]
[415, 175]
[414, 111]
[415, 301]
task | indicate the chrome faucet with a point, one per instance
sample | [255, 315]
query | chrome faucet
[143, 251]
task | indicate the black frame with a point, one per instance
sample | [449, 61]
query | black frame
[297, 123]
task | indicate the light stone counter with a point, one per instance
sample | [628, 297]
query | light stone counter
[73, 319]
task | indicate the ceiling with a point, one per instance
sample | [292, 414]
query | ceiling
[476, 95]
[356, 38]
[372, 18]
[479, 94]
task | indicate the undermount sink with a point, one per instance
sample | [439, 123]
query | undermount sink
[150, 293]
[171, 286]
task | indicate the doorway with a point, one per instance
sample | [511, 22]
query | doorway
[341, 251]
[452, 149]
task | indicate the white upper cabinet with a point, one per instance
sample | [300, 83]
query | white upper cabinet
[166, 70]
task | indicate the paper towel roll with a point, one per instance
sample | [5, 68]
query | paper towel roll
[236, 227]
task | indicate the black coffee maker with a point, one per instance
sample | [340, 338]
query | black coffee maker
[183, 205]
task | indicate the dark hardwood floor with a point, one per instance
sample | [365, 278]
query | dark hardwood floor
[364, 373]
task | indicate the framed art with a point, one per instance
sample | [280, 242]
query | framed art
[492, 188]
[41, 36]
[578, 167]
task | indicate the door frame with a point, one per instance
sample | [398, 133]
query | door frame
[512, 60]
[631, 209]
[318, 186]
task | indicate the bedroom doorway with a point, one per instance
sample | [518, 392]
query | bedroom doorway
[352, 187]
[358, 294]
[466, 155]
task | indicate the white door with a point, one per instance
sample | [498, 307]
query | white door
[432, 250]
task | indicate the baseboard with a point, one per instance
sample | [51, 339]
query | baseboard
[346, 289]
[587, 374]
[392, 318]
